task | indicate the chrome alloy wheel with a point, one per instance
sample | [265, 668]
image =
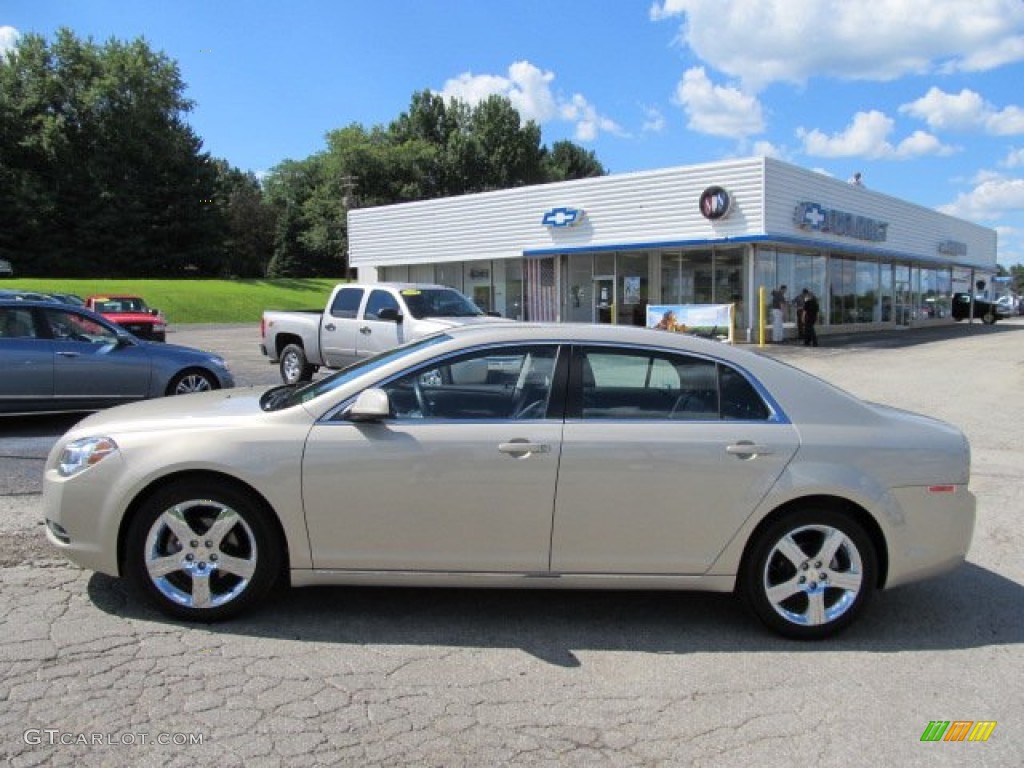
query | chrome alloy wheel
[193, 382]
[813, 575]
[200, 554]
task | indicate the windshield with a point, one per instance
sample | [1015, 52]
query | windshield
[439, 302]
[287, 396]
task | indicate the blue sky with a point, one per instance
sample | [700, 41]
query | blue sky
[924, 97]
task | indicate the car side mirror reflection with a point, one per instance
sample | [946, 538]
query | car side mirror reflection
[370, 405]
[390, 314]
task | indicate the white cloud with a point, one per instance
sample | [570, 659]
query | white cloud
[1015, 159]
[765, 41]
[8, 39]
[654, 120]
[718, 110]
[991, 199]
[528, 88]
[868, 136]
[965, 111]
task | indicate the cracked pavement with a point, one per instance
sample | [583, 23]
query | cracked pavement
[391, 677]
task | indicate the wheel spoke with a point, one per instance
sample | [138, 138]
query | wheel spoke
[221, 527]
[830, 546]
[783, 591]
[200, 589]
[815, 614]
[788, 548]
[848, 580]
[164, 566]
[240, 567]
[174, 519]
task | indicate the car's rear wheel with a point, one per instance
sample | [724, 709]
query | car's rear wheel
[810, 573]
[295, 368]
[201, 551]
[190, 381]
[989, 318]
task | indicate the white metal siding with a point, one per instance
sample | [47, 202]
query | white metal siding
[914, 231]
[647, 209]
[626, 210]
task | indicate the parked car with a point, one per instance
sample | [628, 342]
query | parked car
[69, 298]
[131, 313]
[6, 270]
[20, 295]
[984, 310]
[56, 357]
[360, 321]
[521, 455]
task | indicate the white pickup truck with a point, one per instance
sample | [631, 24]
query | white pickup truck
[360, 321]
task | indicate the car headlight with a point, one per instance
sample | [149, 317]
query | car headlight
[84, 453]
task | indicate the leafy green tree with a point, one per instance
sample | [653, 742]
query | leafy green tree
[570, 161]
[102, 175]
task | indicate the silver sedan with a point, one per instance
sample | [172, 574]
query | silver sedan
[531, 456]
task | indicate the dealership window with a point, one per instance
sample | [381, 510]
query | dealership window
[796, 270]
[632, 289]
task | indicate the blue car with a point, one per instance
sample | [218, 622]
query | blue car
[61, 358]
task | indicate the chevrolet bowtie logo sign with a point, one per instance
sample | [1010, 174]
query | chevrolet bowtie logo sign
[560, 218]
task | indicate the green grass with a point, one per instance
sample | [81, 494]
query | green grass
[200, 301]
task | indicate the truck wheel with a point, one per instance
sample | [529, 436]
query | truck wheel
[989, 318]
[295, 368]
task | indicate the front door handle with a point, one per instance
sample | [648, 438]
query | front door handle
[329, 327]
[523, 448]
[745, 449]
[69, 354]
[366, 330]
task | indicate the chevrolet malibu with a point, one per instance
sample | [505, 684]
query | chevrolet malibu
[531, 456]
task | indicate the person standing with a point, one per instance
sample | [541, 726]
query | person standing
[798, 305]
[778, 306]
[811, 311]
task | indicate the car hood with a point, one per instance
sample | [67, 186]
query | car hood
[222, 407]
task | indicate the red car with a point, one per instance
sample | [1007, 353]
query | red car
[132, 314]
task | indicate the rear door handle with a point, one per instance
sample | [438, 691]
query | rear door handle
[69, 354]
[747, 450]
[521, 448]
[366, 330]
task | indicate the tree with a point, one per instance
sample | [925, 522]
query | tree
[570, 161]
[101, 173]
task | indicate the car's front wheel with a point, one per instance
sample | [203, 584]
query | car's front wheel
[190, 381]
[810, 573]
[202, 551]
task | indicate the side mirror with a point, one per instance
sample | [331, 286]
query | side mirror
[370, 405]
[154, 312]
[391, 315]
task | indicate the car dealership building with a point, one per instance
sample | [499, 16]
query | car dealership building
[602, 249]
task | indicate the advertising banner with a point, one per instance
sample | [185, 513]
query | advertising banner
[711, 320]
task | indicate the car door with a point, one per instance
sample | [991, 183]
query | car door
[375, 333]
[338, 328]
[26, 361]
[664, 456]
[90, 363]
[441, 486]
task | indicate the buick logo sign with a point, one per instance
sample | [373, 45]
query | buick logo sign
[715, 203]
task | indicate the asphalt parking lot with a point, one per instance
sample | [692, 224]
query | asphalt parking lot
[91, 676]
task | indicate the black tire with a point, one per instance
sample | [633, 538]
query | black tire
[295, 368]
[201, 551]
[989, 318]
[790, 586]
[192, 380]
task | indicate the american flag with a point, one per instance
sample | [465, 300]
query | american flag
[541, 301]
